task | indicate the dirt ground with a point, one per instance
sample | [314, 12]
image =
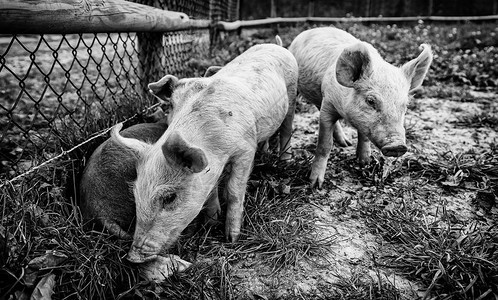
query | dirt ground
[437, 126]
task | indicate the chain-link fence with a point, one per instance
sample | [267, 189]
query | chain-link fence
[57, 90]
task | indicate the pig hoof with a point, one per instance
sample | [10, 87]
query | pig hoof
[286, 156]
[343, 142]
[137, 258]
[364, 161]
[233, 236]
[317, 176]
[316, 180]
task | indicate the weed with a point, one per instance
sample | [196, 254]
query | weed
[37, 218]
[454, 261]
[484, 118]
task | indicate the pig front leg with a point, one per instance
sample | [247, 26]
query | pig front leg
[235, 193]
[116, 230]
[339, 136]
[264, 147]
[286, 134]
[363, 150]
[328, 120]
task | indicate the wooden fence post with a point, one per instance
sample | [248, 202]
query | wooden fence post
[214, 32]
[311, 8]
[273, 12]
[150, 50]
[237, 11]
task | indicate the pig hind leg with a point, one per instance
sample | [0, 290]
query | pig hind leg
[339, 136]
[212, 207]
[328, 121]
[235, 193]
[363, 150]
[286, 134]
[264, 146]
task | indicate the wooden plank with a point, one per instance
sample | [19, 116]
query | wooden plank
[89, 16]
[230, 26]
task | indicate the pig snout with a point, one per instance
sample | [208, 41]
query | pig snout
[391, 144]
[394, 150]
[143, 252]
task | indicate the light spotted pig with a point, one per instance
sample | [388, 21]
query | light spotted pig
[105, 194]
[347, 78]
[220, 123]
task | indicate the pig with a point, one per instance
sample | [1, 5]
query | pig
[105, 192]
[347, 78]
[218, 127]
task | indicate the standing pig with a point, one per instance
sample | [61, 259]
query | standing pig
[105, 190]
[219, 124]
[347, 78]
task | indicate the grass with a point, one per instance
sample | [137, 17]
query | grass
[488, 118]
[476, 171]
[37, 217]
[453, 261]
[279, 231]
[361, 286]
[453, 258]
[280, 224]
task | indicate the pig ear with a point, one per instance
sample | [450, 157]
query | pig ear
[163, 89]
[177, 150]
[134, 144]
[212, 70]
[352, 64]
[416, 69]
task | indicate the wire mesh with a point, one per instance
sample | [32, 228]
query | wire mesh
[58, 90]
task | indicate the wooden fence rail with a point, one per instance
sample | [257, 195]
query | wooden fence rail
[89, 16]
[236, 25]
[96, 16]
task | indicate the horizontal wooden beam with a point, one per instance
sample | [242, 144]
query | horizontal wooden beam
[230, 26]
[89, 16]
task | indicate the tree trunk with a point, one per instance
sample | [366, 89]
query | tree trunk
[400, 8]
[273, 12]
[311, 8]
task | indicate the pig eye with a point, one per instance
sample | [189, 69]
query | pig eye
[168, 199]
[371, 101]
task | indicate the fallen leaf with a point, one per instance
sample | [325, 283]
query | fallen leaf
[30, 277]
[44, 289]
[21, 295]
[51, 258]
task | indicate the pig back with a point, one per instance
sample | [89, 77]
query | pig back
[316, 50]
[105, 193]
[262, 81]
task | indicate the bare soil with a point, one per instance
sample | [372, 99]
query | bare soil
[437, 126]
